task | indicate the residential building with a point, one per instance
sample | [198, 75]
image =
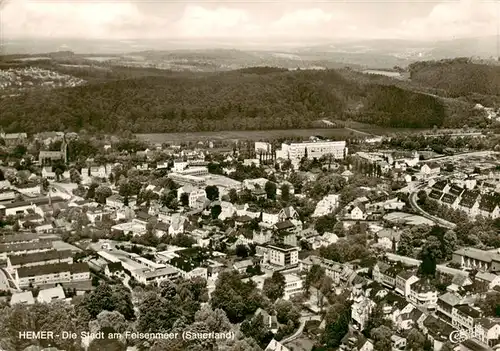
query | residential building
[487, 330]
[471, 258]
[326, 205]
[463, 316]
[276, 345]
[39, 259]
[155, 275]
[283, 255]
[332, 269]
[429, 170]
[51, 274]
[23, 298]
[293, 286]
[404, 280]
[423, 294]
[24, 248]
[311, 150]
[51, 294]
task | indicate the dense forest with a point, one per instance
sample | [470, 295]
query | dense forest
[460, 78]
[248, 99]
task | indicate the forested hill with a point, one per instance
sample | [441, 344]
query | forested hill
[238, 100]
[460, 78]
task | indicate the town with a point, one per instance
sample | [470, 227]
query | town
[358, 244]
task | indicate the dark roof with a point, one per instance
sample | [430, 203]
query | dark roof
[243, 219]
[455, 190]
[469, 198]
[19, 237]
[259, 191]
[440, 185]
[37, 202]
[36, 245]
[468, 311]
[489, 202]
[52, 268]
[448, 198]
[406, 274]
[284, 225]
[435, 194]
[143, 215]
[39, 257]
[115, 267]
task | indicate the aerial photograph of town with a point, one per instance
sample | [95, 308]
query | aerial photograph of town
[249, 175]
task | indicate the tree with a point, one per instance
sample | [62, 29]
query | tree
[285, 192]
[325, 224]
[449, 243]
[490, 304]
[274, 287]
[215, 211]
[74, 176]
[109, 298]
[256, 329]
[216, 320]
[415, 340]
[212, 192]
[19, 151]
[91, 191]
[235, 297]
[233, 196]
[184, 199]
[286, 311]
[270, 189]
[157, 314]
[337, 324]
[102, 193]
[314, 276]
[382, 337]
[241, 251]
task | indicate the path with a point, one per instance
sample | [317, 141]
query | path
[298, 333]
[6, 281]
[439, 221]
[361, 132]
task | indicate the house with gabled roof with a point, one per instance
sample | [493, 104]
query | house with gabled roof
[491, 279]
[487, 330]
[489, 206]
[469, 202]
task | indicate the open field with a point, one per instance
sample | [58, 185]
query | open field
[333, 133]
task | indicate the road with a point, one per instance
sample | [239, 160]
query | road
[414, 262]
[439, 221]
[360, 132]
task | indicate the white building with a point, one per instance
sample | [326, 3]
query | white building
[52, 274]
[296, 151]
[262, 147]
[283, 255]
[327, 205]
[293, 286]
[196, 196]
[51, 294]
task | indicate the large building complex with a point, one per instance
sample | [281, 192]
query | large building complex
[311, 150]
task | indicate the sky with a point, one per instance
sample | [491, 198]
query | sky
[273, 20]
